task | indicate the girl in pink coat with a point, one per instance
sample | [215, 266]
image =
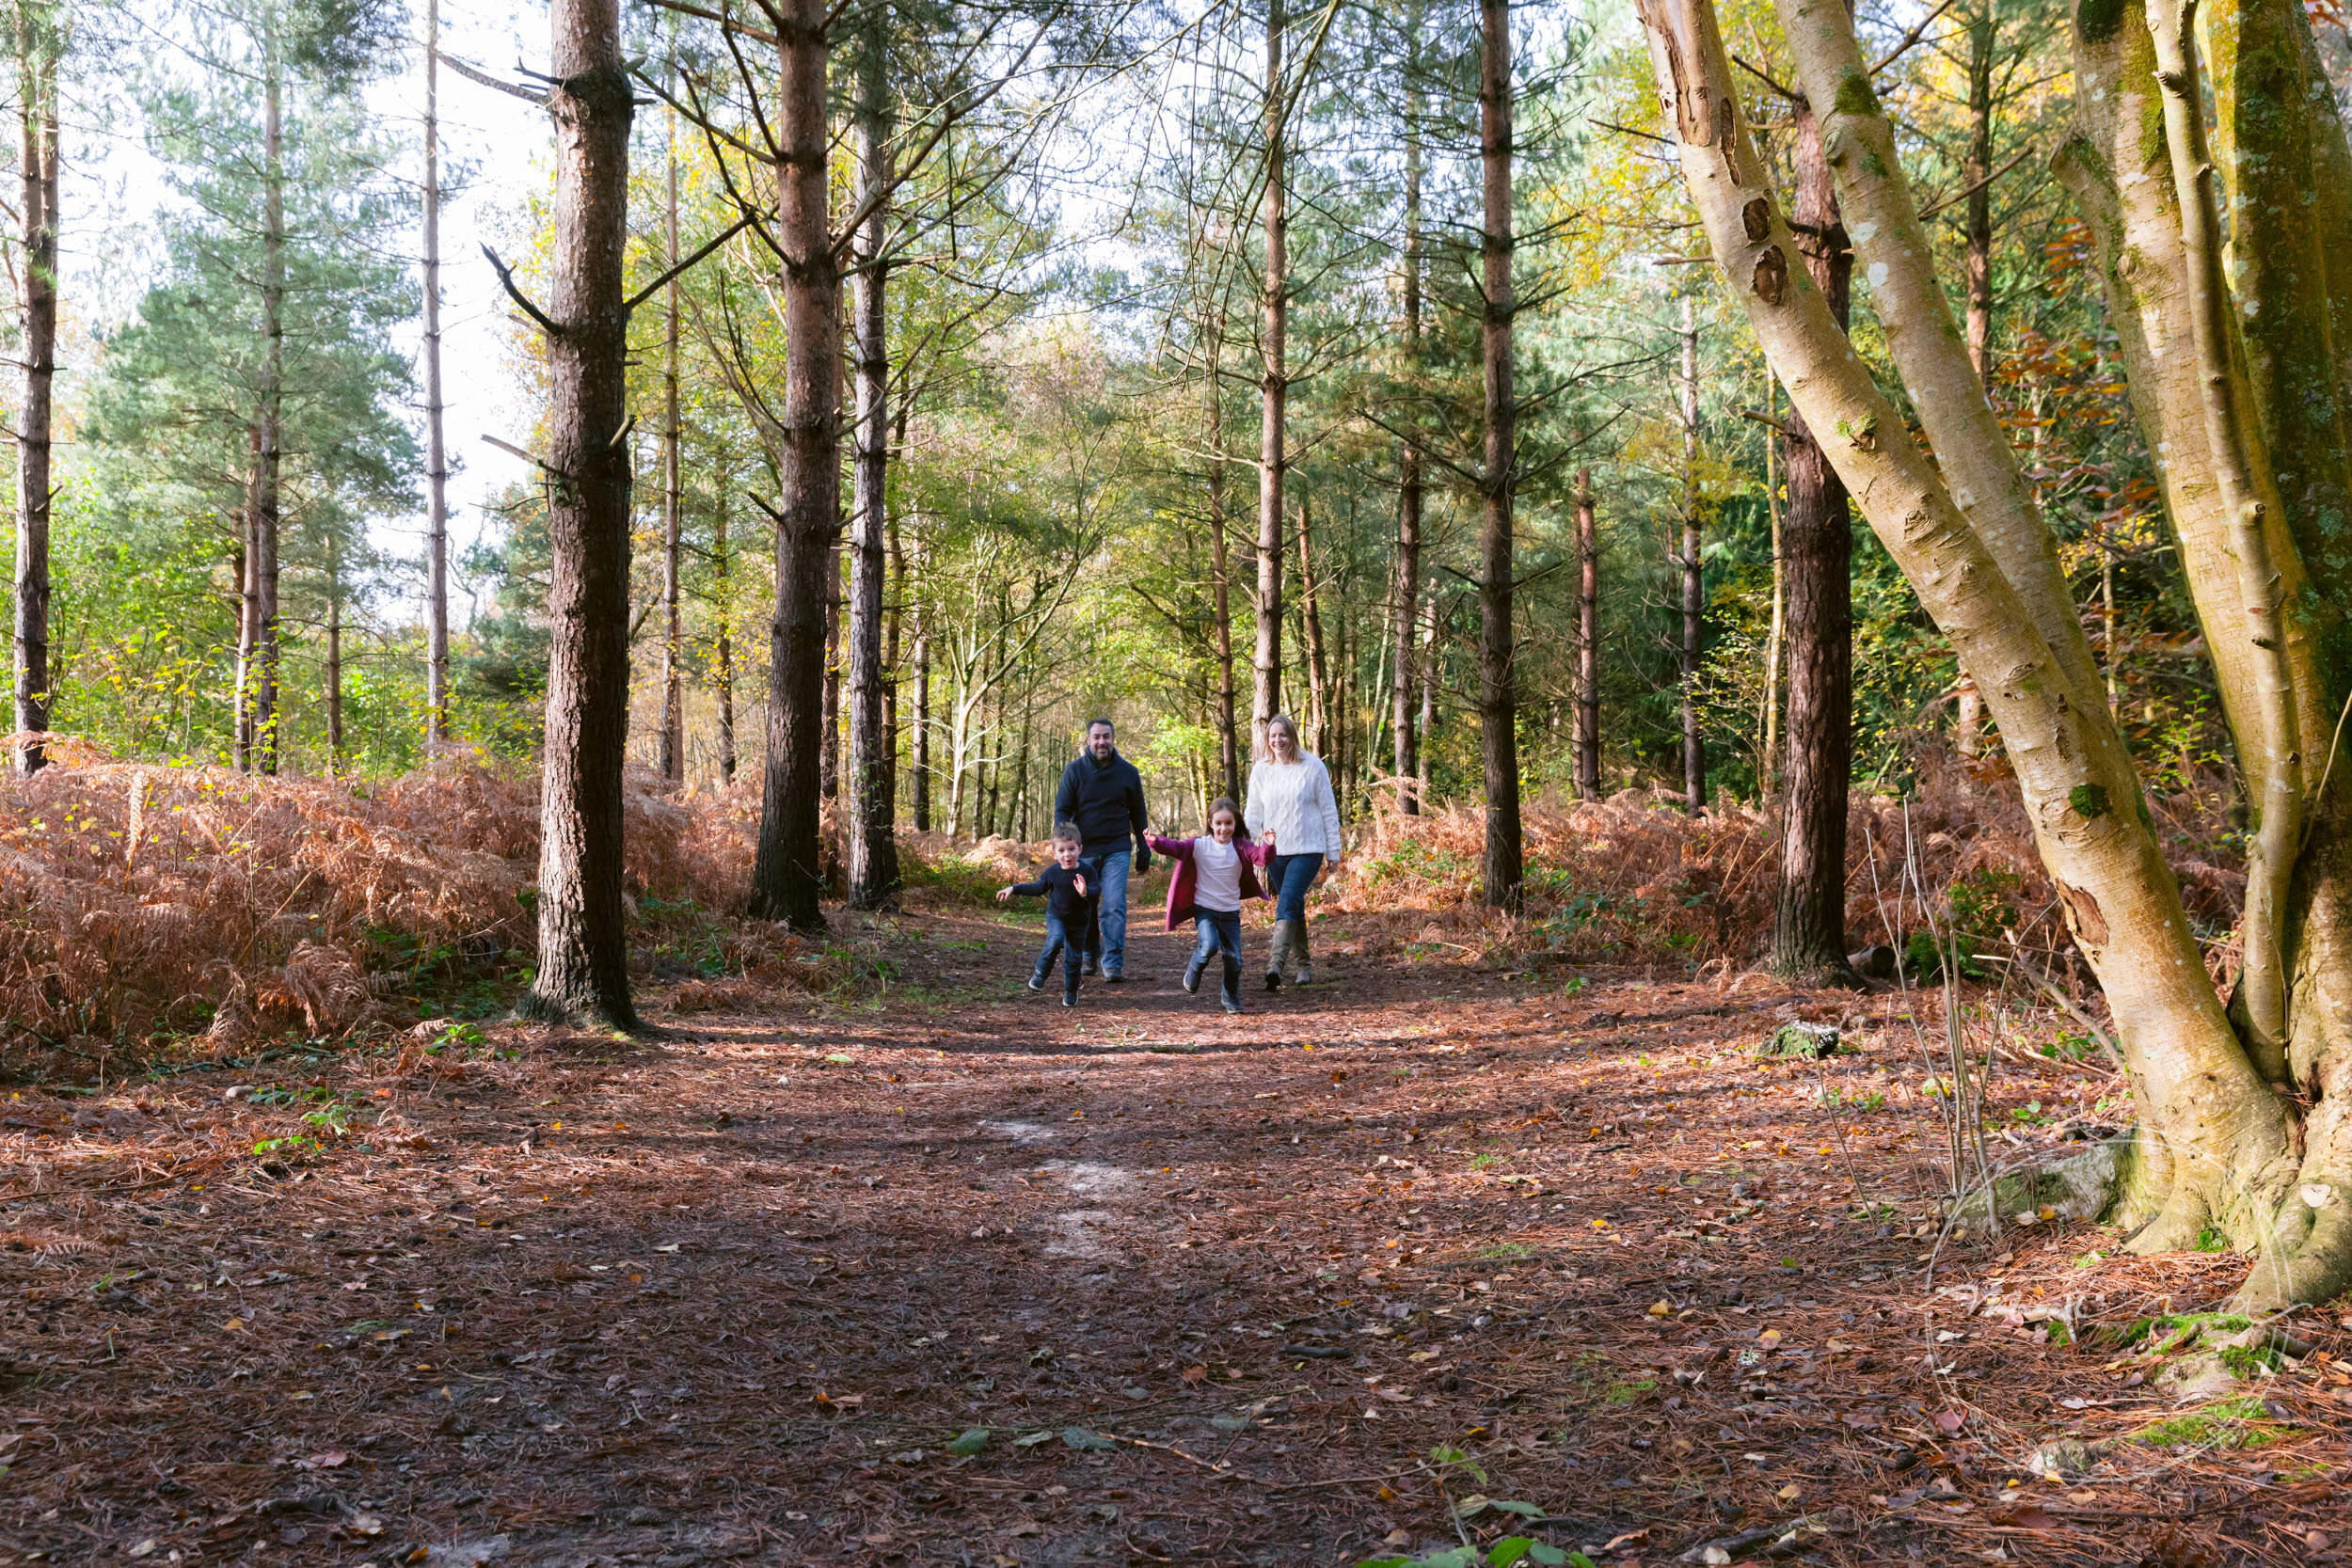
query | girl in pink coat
[1215, 872]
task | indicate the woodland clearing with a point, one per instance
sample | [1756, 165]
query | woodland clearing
[928, 1272]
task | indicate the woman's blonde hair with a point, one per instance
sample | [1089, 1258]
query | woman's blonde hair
[1290, 726]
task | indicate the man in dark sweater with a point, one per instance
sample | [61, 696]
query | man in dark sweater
[1102, 795]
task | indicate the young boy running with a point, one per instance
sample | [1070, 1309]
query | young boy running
[1069, 908]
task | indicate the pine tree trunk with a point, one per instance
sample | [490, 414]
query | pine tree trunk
[1587, 642]
[334, 666]
[1273, 398]
[1228, 738]
[1816, 554]
[723, 593]
[1693, 588]
[672, 748]
[872, 839]
[583, 950]
[920, 765]
[436, 451]
[1975, 174]
[1311, 620]
[1406, 760]
[829, 774]
[1776, 635]
[787, 876]
[262, 524]
[1498, 708]
[1431, 671]
[37, 46]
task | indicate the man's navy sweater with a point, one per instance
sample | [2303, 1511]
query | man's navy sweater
[1103, 800]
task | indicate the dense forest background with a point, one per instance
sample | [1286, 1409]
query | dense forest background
[1075, 365]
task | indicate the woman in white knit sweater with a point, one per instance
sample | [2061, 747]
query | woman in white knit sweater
[1289, 796]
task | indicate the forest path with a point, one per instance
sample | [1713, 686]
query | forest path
[1215, 1287]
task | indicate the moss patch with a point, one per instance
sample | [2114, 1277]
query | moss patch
[2089, 801]
[2098, 19]
[2241, 1423]
[1854, 96]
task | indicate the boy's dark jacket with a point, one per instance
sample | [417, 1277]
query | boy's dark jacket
[1062, 897]
[1103, 800]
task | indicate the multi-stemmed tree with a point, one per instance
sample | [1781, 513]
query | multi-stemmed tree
[2238, 385]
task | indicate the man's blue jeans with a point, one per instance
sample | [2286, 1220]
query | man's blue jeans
[1289, 877]
[1107, 877]
[1069, 947]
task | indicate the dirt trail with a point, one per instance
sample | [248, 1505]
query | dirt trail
[1215, 1289]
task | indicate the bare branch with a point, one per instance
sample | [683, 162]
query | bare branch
[506, 277]
[472, 73]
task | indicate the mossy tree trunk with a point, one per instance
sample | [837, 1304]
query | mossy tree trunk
[2225, 1143]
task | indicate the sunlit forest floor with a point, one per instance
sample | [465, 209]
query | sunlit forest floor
[953, 1275]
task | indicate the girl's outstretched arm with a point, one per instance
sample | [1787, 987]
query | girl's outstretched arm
[1179, 847]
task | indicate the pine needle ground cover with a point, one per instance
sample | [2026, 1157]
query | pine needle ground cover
[898, 1266]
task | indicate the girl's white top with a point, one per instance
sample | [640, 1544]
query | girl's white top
[1294, 801]
[1215, 874]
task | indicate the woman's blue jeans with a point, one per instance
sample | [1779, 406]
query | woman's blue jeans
[1289, 877]
[1219, 930]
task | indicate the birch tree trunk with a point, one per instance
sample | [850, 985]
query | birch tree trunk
[873, 768]
[1273, 399]
[788, 875]
[38, 45]
[1817, 555]
[1497, 708]
[2216, 1146]
[2289, 188]
[583, 953]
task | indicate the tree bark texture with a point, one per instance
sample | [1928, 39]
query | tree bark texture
[1975, 176]
[1694, 576]
[1273, 399]
[873, 767]
[1321, 701]
[259, 724]
[1817, 555]
[436, 451]
[1221, 559]
[1497, 708]
[673, 750]
[584, 952]
[1408, 481]
[723, 653]
[38, 48]
[1967, 536]
[2289, 186]
[787, 876]
[1587, 642]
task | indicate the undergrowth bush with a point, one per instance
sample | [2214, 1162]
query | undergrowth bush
[140, 904]
[1635, 878]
